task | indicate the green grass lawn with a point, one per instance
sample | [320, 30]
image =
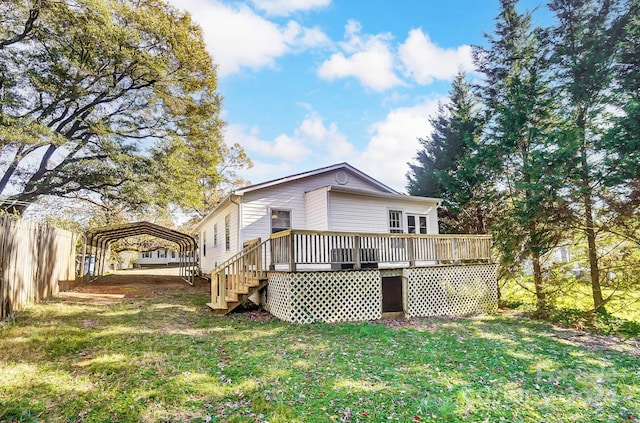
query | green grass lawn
[169, 359]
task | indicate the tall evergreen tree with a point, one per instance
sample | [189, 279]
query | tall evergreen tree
[622, 162]
[519, 143]
[444, 166]
[585, 40]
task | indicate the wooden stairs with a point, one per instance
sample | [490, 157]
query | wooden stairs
[235, 280]
[236, 297]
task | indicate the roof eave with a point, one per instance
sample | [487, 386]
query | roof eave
[398, 196]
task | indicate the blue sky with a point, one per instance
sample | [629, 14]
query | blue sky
[309, 83]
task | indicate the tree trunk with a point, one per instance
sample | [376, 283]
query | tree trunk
[541, 296]
[594, 269]
[587, 202]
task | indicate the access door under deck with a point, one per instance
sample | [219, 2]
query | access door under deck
[392, 295]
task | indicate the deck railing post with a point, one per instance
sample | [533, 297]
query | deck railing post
[454, 249]
[411, 252]
[357, 262]
[292, 252]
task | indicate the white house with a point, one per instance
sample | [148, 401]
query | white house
[334, 244]
[158, 257]
[337, 198]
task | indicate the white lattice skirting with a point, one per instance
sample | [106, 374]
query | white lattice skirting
[327, 296]
[452, 290]
[356, 295]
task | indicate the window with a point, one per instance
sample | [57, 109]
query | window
[395, 222]
[280, 220]
[227, 233]
[416, 224]
[146, 254]
[162, 253]
[204, 244]
[395, 227]
[173, 254]
[215, 235]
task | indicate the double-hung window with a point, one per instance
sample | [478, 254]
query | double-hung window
[395, 227]
[280, 220]
[416, 224]
[395, 222]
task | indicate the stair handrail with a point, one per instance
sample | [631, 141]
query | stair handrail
[219, 275]
[239, 255]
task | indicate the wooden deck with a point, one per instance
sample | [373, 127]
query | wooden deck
[246, 273]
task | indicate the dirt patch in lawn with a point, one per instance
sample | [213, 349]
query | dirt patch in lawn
[114, 288]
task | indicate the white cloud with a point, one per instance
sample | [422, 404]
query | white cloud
[369, 58]
[285, 7]
[313, 143]
[425, 61]
[394, 143]
[331, 144]
[282, 147]
[311, 139]
[239, 38]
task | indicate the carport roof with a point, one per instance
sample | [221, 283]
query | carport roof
[115, 232]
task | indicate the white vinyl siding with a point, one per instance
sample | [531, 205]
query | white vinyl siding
[356, 213]
[160, 256]
[317, 210]
[218, 254]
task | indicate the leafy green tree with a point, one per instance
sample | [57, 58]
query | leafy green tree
[519, 143]
[445, 166]
[586, 41]
[110, 101]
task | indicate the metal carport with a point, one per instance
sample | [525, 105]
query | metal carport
[97, 243]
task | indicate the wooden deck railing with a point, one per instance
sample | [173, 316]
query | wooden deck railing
[359, 250]
[287, 250]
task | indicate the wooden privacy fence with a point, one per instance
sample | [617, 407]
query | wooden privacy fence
[34, 259]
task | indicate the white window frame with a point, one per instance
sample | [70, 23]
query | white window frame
[227, 232]
[162, 253]
[271, 219]
[417, 223]
[400, 221]
[215, 235]
[146, 254]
